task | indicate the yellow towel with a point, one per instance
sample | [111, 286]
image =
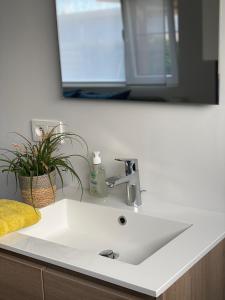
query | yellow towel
[15, 215]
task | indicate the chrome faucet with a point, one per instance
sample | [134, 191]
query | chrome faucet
[131, 179]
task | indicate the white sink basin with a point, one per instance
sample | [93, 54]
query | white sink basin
[93, 228]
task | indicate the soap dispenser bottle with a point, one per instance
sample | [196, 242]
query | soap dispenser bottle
[98, 185]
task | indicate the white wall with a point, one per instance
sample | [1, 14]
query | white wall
[181, 148]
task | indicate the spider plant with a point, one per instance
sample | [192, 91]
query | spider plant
[31, 159]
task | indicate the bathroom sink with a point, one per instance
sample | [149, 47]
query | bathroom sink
[116, 233]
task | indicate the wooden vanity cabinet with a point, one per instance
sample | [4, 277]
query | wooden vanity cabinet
[62, 286]
[204, 281]
[22, 278]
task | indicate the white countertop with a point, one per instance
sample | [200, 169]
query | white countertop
[155, 274]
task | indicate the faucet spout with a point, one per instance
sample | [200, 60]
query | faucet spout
[114, 181]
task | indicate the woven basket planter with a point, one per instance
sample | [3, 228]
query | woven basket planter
[43, 193]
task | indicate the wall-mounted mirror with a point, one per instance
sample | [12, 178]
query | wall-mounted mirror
[154, 50]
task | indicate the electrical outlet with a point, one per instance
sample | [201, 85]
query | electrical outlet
[39, 126]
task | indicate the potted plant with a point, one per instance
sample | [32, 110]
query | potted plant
[35, 165]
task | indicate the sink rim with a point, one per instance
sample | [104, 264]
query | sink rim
[175, 258]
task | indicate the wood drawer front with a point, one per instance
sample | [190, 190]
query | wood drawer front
[19, 279]
[61, 286]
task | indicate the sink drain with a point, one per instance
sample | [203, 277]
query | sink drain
[109, 254]
[122, 220]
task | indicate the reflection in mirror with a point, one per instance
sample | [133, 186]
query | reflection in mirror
[154, 50]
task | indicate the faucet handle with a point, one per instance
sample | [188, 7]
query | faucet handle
[131, 164]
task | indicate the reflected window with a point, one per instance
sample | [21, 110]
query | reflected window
[91, 43]
[113, 42]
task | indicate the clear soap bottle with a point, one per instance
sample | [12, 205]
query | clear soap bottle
[98, 187]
